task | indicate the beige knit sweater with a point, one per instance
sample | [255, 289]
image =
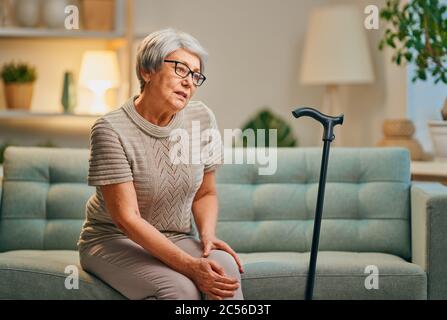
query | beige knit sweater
[124, 146]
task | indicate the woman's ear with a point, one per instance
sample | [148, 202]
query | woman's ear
[146, 75]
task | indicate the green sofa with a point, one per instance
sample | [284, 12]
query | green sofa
[382, 236]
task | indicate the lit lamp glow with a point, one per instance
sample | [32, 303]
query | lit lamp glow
[99, 72]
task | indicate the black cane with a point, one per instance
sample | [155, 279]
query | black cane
[328, 123]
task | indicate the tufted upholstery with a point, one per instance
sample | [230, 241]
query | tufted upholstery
[366, 204]
[44, 196]
[268, 220]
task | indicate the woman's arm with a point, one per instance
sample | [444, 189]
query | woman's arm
[205, 206]
[122, 205]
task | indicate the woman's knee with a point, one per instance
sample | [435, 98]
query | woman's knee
[226, 261]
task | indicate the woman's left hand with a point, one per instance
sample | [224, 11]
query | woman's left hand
[211, 242]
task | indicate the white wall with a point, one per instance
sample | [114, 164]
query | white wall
[255, 50]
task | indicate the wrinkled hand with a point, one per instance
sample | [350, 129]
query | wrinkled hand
[211, 242]
[210, 278]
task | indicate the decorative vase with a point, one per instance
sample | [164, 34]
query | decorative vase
[68, 93]
[28, 12]
[54, 13]
[438, 133]
[399, 133]
[19, 95]
[444, 111]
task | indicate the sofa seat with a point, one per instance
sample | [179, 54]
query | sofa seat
[39, 274]
[268, 275]
[340, 275]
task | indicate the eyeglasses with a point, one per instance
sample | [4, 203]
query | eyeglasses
[183, 71]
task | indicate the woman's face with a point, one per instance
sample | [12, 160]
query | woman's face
[170, 89]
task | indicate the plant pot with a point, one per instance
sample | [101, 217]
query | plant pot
[98, 15]
[438, 133]
[19, 95]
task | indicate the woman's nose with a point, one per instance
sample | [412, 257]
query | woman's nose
[187, 81]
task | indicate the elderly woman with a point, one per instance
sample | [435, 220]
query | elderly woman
[140, 233]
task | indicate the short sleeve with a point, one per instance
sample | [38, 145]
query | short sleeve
[215, 146]
[108, 163]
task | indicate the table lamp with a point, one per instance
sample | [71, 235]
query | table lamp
[335, 52]
[99, 72]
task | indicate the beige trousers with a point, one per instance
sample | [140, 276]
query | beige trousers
[132, 271]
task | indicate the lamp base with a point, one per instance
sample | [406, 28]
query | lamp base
[331, 106]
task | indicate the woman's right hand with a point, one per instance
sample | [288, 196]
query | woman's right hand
[211, 279]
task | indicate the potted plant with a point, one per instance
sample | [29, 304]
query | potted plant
[266, 120]
[418, 33]
[19, 82]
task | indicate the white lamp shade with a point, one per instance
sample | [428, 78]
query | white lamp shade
[99, 67]
[336, 49]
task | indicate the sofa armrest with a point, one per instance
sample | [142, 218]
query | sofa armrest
[429, 234]
[1, 191]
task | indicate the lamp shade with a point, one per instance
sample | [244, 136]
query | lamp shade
[336, 49]
[99, 68]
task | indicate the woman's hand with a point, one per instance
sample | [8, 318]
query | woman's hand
[210, 278]
[211, 242]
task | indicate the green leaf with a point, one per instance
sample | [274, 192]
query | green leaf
[408, 56]
[18, 72]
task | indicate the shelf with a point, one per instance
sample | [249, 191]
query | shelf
[45, 123]
[433, 168]
[17, 32]
[24, 114]
[429, 171]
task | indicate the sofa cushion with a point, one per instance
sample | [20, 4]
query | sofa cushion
[40, 274]
[35, 274]
[366, 204]
[44, 196]
[339, 275]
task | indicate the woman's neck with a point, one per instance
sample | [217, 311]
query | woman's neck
[152, 112]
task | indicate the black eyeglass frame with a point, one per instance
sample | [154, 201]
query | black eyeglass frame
[190, 71]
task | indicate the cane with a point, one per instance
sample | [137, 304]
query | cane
[328, 135]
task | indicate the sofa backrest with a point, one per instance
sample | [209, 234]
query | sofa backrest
[43, 200]
[366, 205]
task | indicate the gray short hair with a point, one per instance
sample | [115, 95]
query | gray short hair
[159, 44]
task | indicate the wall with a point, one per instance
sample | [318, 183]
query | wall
[255, 51]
